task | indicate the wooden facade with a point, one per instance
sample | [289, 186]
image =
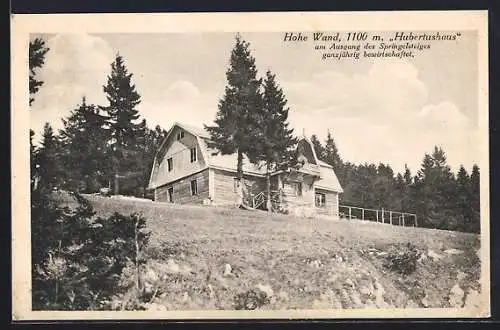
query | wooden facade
[225, 191]
[309, 188]
[331, 204]
[182, 190]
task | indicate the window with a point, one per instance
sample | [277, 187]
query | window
[194, 188]
[171, 194]
[169, 164]
[298, 188]
[320, 199]
[193, 155]
[180, 135]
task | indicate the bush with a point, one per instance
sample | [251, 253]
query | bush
[77, 259]
[250, 300]
[402, 258]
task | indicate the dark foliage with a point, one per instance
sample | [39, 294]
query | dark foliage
[37, 52]
[402, 258]
[439, 198]
[237, 120]
[250, 300]
[78, 258]
[85, 156]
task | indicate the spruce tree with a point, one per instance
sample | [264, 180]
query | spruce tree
[384, 187]
[407, 176]
[84, 139]
[435, 191]
[463, 200]
[236, 123]
[318, 147]
[407, 196]
[36, 58]
[399, 192]
[48, 159]
[148, 141]
[475, 199]
[424, 198]
[331, 153]
[274, 145]
[122, 114]
[37, 52]
[33, 151]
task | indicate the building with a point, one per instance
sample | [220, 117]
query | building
[187, 171]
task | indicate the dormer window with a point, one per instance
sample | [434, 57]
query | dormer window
[180, 135]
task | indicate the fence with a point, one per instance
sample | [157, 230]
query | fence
[382, 216]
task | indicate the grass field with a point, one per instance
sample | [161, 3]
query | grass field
[300, 263]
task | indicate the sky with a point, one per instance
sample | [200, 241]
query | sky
[378, 110]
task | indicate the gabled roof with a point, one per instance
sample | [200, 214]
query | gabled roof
[198, 131]
[213, 159]
[328, 179]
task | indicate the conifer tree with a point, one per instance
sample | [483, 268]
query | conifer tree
[122, 114]
[36, 58]
[318, 147]
[463, 199]
[84, 139]
[148, 141]
[475, 199]
[37, 52]
[435, 191]
[236, 123]
[274, 145]
[407, 176]
[407, 194]
[48, 159]
[33, 151]
[399, 191]
[331, 153]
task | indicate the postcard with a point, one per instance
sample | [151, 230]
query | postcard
[276, 165]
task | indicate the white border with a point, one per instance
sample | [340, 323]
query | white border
[23, 25]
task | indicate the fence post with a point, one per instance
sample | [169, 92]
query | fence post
[349, 213]
[416, 221]
[377, 214]
[403, 216]
[390, 217]
[383, 215]
[362, 214]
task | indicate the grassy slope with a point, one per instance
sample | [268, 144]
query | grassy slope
[308, 263]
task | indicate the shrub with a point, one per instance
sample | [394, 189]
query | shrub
[77, 259]
[402, 258]
[250, 300]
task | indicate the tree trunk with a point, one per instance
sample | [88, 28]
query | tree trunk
[239, 176]
[239, 166]
[116, 189]
[268, 190]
